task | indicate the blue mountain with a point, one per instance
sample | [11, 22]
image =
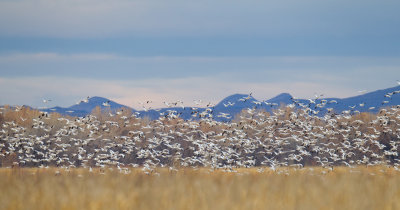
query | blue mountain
[67, 111]
[283, 98]
[378, 99]
[234, 104]
[369, 102]
[96, 101]
[82, 108]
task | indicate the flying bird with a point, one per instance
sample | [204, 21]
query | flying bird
[107, 103]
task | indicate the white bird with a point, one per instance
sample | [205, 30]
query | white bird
[86, 100]
[228, 104]
[107, 103]
[333, 102]
[167, 104]
[286, 137]
[197, 102]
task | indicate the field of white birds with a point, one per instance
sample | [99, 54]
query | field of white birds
[287, 137]
[285, 159]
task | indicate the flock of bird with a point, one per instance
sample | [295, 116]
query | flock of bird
[287, 137]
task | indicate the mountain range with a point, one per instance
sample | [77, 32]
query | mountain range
[234, 104]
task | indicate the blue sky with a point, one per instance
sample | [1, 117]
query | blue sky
[136, 50]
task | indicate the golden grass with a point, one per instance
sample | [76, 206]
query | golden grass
[308, 188]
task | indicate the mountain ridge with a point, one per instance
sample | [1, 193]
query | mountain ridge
[235, 103]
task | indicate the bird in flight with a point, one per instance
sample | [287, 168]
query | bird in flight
[86, 100]
[107, 103]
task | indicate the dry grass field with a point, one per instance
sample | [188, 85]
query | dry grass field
[256, 188]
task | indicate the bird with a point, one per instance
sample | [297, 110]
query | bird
[289, 136]
[106, 103]
[197, 102]
[86, 100]
[333, 102]
[228, 104]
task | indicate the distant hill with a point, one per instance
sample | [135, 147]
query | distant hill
[93, 102]
[369, 102]
[234, 104]
[83, 108]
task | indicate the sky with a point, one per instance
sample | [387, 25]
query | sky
[131, 51]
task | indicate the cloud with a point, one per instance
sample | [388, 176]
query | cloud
[120, 18]
[257, 69]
